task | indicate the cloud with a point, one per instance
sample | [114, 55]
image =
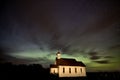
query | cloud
[3, 54]
[95, 57]
[103, 61]
[108, 57]
[6, 58]
[115, 47]
[75, 28]
[92, 53]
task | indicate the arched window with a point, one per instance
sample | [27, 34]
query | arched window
[81, 70]
[63, 70]
[69, 70]
[75, 70]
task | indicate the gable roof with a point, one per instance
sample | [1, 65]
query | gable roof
[69, 62]
[53, 66]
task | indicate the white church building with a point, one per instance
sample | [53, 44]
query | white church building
[65, 67]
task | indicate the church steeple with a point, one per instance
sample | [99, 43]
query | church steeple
[58, 55]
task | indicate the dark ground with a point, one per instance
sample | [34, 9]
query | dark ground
[9, 71]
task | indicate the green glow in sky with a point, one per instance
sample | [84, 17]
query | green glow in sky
[48, 57]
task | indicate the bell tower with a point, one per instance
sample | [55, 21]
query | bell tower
[58, 55]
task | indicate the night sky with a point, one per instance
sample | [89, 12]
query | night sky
[32, 31]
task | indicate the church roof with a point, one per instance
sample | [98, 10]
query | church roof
[53, 66]
[66, 62]
[69, 62]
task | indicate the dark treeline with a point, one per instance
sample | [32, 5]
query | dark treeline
[22, 71]
[37, 72]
